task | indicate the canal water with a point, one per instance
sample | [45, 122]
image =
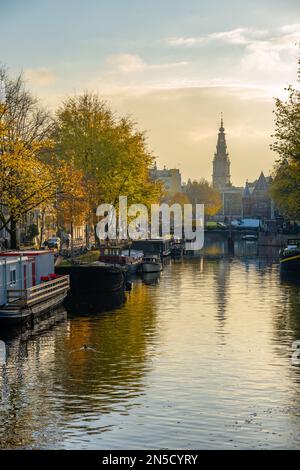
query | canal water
[198, 358]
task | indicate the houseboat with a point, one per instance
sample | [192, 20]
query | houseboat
[133, 258]
[93, 279]
[28, 285]
[128, 260]
[289, 257]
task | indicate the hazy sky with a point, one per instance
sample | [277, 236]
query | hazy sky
[173, 65]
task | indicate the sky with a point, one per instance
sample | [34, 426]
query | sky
[172, 65]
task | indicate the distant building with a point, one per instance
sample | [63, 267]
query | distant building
[253, 201]
[221, 162]
[232, 202]
[256, 199]
[171, 179]
[231, 195]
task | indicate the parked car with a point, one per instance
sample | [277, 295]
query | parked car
[53, 242]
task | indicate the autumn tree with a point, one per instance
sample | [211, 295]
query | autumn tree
[72, 203]
[26, 181]
[179, 198]
[285, 188]
[202, 192]
[111, 152]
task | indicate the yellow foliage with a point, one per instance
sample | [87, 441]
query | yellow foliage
[201, 192]
[72, 204]
[25, 181]
[110, 151]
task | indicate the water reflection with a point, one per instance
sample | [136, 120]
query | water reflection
[196, 358]
[216, 246]
[150, 278]
[49, 379]
[94, 304]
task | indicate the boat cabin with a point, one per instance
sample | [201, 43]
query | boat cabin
[20, 270]
[14, 273]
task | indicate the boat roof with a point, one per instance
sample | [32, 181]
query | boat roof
[249, 223]
[11, 259]
[133, 253]
[16, 253]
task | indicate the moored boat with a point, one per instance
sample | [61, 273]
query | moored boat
[29, 287]
[128, 259]
[133, 260]
[93, 278]
[289, 257]
[151, 264]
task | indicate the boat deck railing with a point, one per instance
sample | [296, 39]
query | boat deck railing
[39, 293]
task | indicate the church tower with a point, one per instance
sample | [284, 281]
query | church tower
[221, 162]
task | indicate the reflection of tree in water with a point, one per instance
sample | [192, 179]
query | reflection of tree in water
[50, 378]
[287, 319]
[25, 403]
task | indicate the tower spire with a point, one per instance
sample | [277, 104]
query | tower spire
[221, 162]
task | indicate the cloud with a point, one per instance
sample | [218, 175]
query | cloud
[266, 58]
[181, 41]
[40, 77]
[131, 63]
[239, 36]
[279, 39]
[274, 58]
[127, 63]
[291, 28]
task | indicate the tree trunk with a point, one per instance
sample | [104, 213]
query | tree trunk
[13, 235]
[87, 236]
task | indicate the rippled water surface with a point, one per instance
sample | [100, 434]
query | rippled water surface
[200, 358]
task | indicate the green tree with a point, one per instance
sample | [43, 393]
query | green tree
[285, 188]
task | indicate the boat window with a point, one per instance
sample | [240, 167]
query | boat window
[13, 277]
